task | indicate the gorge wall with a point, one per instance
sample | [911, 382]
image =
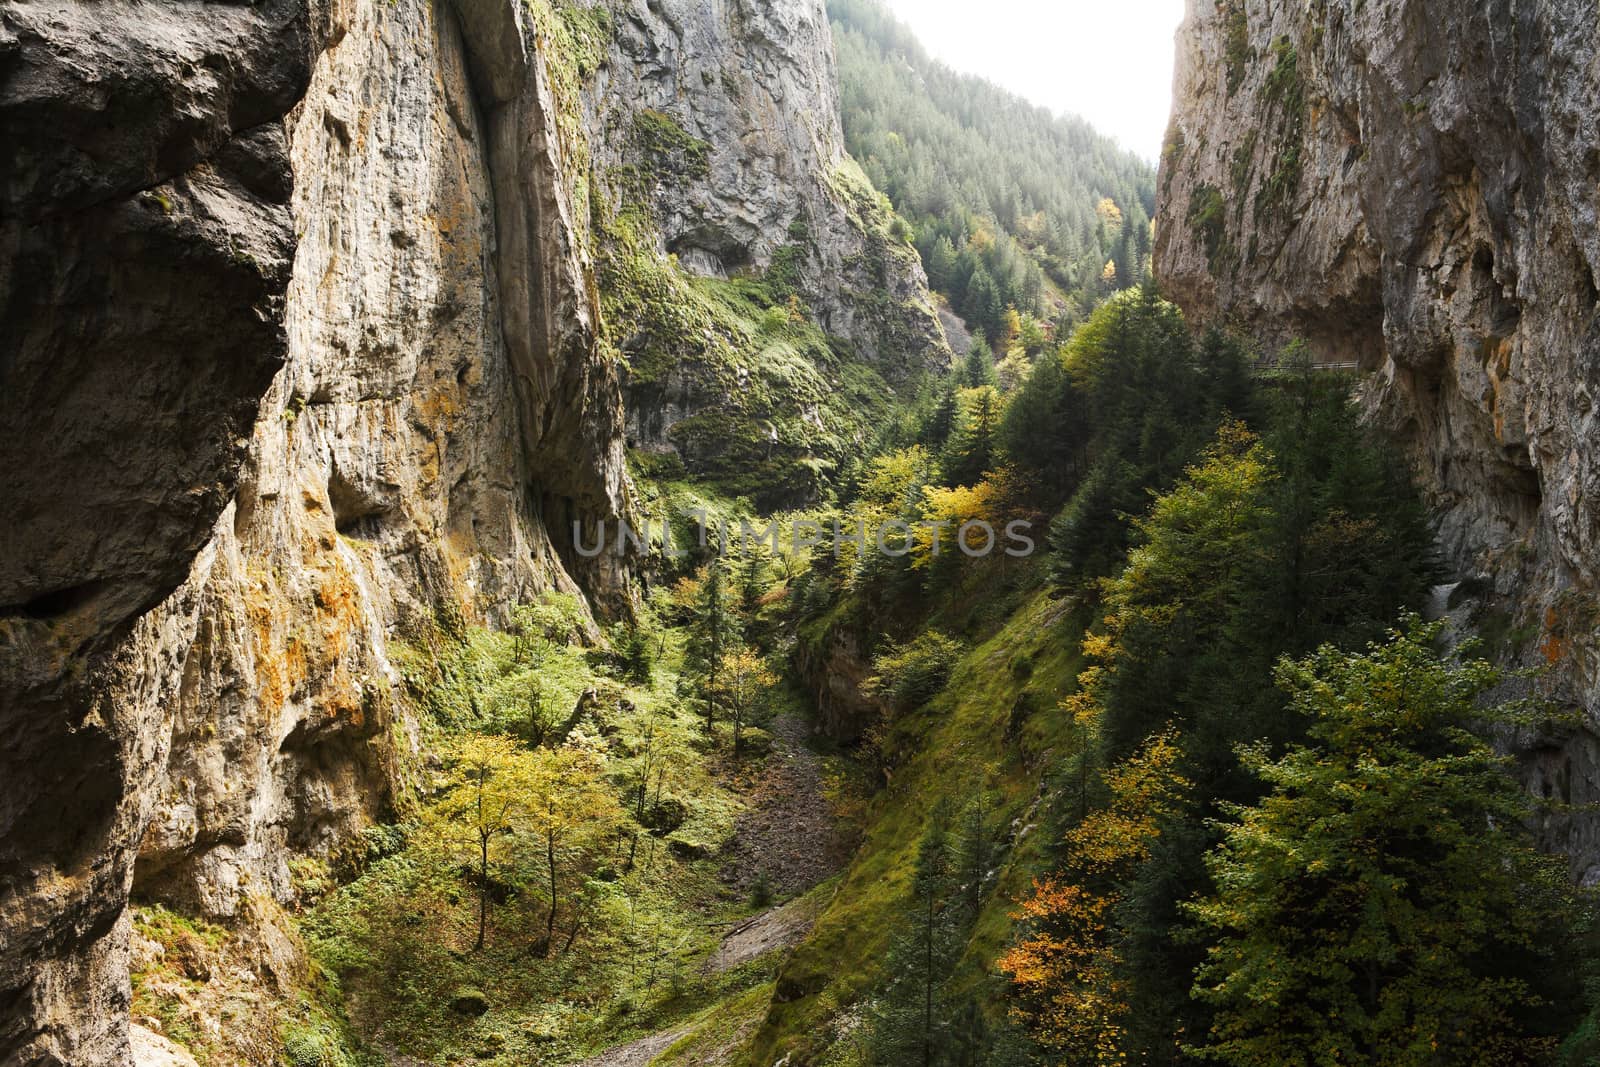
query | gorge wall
[305, 361]
[719, 158]
[1414, 186]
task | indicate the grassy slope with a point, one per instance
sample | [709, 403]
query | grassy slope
[967, 739]
[399, 936]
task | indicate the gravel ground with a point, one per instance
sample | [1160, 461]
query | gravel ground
[789, 832]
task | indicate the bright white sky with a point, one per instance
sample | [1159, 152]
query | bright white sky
[1109, 62]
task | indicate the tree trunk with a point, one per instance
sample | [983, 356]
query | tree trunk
[927, 1011]
[550, 922]
[483, 887]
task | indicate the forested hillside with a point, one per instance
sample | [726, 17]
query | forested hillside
[1190, 768]
[1012, 206]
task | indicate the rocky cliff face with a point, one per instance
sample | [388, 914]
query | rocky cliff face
[145, 247]
[718, 143]
[235, 482]
[753, 88]
[305, 360]
[1415, 186]
[408, 455]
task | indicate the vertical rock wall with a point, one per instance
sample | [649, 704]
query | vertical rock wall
[1414, 185]
[232, 483]
[145, 245]
[755, 83]
[301, 362]
[717, 143]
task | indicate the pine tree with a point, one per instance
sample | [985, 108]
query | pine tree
[1384, 903]
[909, 1024]
[942, 420]
[978, 370]
[1045, 431]
[942, 264]
[713, 629]
[972, 453]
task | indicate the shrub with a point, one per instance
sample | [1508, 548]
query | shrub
[761, 892]
[909, 675]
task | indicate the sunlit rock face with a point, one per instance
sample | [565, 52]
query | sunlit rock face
[755, 83]
[1415, 186]
[299, 360]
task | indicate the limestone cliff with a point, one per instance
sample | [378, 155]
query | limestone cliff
[718, 144]
[234, 482]
[1414, 185]
[145, 246]
[305, 358]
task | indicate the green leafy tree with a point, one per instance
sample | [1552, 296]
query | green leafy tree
[1382, 904]
[911, 674]
[485, 801]
[1176, 594]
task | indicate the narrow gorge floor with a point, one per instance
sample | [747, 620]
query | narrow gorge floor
[792, 838]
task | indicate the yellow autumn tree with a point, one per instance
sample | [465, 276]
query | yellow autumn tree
[743, 683]
[946, 511]
[572, 811]
[888, 488]
[483, 803]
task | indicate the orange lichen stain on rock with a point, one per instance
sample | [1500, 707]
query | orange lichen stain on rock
[440, 406]
[1555, 644]
[274, 670]
[319, 518]
[341, 699]
[1497, 359]
[338, 602]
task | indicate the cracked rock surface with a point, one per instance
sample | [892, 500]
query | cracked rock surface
[1414, 185]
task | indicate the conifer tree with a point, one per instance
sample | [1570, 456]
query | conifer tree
[942, 420]
[978, 370]
[713, 628]
[941, 264]
[1383, 903]
[972, 453]
[909, 1024]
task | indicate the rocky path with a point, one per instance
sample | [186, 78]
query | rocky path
[775, 928]
[635, 1053]
[789, 833]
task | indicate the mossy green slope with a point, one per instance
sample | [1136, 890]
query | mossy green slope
[995, 730]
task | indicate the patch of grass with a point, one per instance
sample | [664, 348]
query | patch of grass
[1208, 220]
[1236, 50]
[671, 150]
[994, 729]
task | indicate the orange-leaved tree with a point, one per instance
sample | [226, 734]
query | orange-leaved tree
[1066, 972]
